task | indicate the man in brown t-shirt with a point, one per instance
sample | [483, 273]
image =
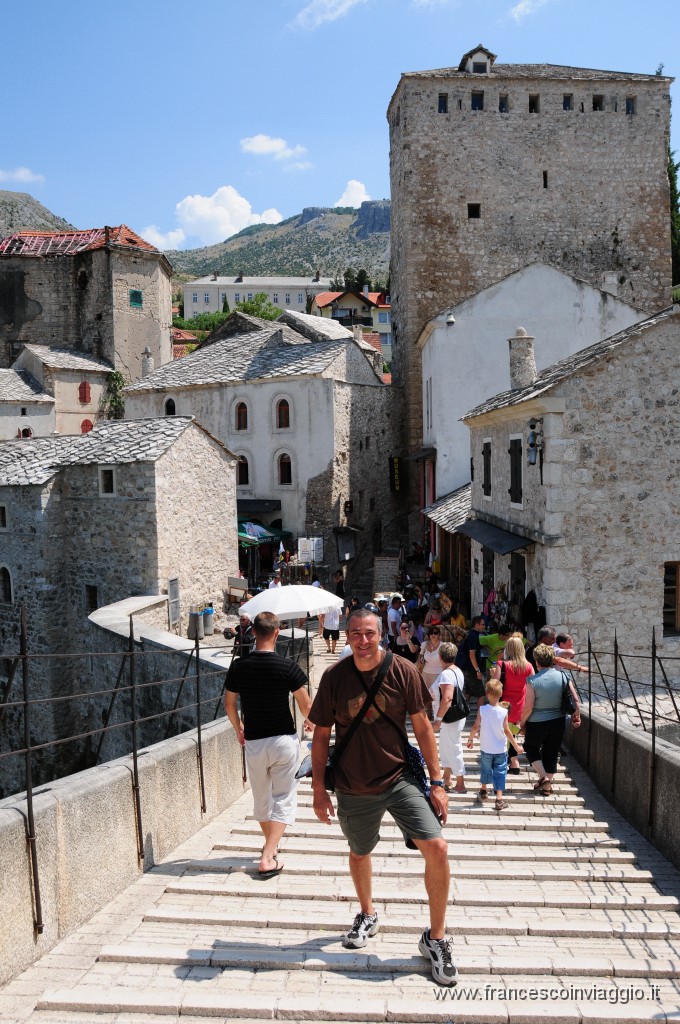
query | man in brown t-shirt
[372, 777]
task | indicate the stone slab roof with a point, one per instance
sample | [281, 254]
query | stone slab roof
[68, 243]
[67, 359]
[268, 349]
[314, 328]
[534, 71]
[111, 442]
[20, 386]
[452, 509]
[558, 372]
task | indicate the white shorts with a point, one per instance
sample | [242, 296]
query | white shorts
[272, 764]
[451, 746]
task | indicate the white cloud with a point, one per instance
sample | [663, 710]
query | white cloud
[524, 8]
[210, 219]
[21, 174]
[354, 195]
[267, 145]
[320, 11]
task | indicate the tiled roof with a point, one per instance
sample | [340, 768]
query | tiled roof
[268, 349]
[325, 298]
[179, 351]
[558, 372]
[67, 243]
[315, 328]
[178, 336]
[20, 386]
[68, 359]
[452, 510]
[111, 442]
[533, 71]
[262, 282]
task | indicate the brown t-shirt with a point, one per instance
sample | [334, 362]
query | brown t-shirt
[374, 757]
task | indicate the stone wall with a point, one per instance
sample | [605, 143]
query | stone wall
[546, 188]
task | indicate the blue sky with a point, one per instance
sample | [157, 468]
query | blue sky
[189, 122]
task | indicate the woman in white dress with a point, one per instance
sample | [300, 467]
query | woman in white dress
[450, 733]
[430, 663]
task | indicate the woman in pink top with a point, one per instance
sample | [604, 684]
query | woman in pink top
[513, 672]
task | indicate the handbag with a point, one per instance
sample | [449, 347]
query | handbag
[459, 706]
[336, 750]
[569, 705]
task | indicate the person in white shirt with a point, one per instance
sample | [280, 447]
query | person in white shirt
[450, 733]
[494, 735]
[331, 629]
[394, 620]
[276, 582]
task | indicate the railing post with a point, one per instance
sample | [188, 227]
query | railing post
[590, 699]
[616, 709]
[199, 748]
[135, 766]
[652, 767]
[30, 835]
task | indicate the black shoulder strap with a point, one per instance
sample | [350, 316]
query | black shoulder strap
[370, 699]
[363, 710]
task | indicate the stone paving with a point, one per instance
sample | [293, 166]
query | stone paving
[560, 911]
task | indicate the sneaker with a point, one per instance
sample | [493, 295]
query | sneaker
[363, 928]
[438, 952]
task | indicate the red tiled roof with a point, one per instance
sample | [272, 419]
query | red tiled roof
[180, 350]
[387, 378]
[373, 338]
[325, 298]
[179, 336]
[68, 243]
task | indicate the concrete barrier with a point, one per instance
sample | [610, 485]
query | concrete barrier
[86, 835]
[621, 768]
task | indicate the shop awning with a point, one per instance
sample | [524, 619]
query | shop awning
[452, 510]
[249, 506]
[420, 456]
[500, 541]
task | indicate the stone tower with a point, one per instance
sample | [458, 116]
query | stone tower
[496, 166]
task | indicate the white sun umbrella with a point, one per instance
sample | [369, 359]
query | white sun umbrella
[292, 602]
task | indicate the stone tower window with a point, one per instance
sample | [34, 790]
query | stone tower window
[631, 105]
[107, 481]
[545, 179]
[486, 468]
[503, 105]
[474, 211]
[477, 101]
[443, 103]
[671, 599]
[242, 471]
[567, 101]
[534, 104]
[5, 586]
[136, 299]
[169, 407]
[598, 102]
[91, 598]
[3, 517]
[515, 453]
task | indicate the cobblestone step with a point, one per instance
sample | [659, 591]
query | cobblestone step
[462, 831]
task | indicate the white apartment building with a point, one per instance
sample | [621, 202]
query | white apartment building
[208, 294]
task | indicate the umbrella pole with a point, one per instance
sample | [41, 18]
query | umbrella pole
[292, 638]
[309, 690]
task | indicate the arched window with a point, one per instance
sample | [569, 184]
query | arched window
[241, 416]
[24, 433]
[169, 406]
[86, 426]
[84, 392]
[282, 414]
[285, 469]
[242, 471]
[5, 586]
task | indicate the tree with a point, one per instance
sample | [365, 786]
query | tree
[259, 306]
[113, 403]
[673, 168]
[203, 322]
[362, 280]
[225, 305]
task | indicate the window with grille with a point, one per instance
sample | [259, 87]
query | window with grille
[84, 392]
[3, 517]
[5, 586]
[107, 480]
[443, 103]
[671, 599]
[135, 298]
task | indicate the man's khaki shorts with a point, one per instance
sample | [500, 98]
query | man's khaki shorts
[360, 816]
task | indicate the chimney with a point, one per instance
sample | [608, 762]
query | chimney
[239, 279]
[357, 332]
[214, 275]
[365, 289]
[147, 362]
[522, 360]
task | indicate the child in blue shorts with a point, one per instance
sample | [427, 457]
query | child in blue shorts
[494, 735]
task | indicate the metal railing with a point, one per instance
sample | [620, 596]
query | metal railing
[621, 681]
[187, 700]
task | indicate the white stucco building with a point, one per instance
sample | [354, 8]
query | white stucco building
[208, 294]
[75, 381]
[26, 410]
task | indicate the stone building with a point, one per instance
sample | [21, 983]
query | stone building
[494, 166]
[209, 294]
[303, 405]
[104, 292]
[91, 519]
[575, 487]
[26, 410]
[76, 383]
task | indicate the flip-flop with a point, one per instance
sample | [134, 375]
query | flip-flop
[264, 875]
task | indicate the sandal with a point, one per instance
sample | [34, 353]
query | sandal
[541, 782]
[500, 805]
[482, 795]
[546, 790]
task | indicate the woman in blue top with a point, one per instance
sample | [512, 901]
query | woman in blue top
[543, 720]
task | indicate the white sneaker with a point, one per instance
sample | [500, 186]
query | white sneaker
[363, 928]
[438, 952]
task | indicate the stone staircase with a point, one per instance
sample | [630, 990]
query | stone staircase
[555, 896]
